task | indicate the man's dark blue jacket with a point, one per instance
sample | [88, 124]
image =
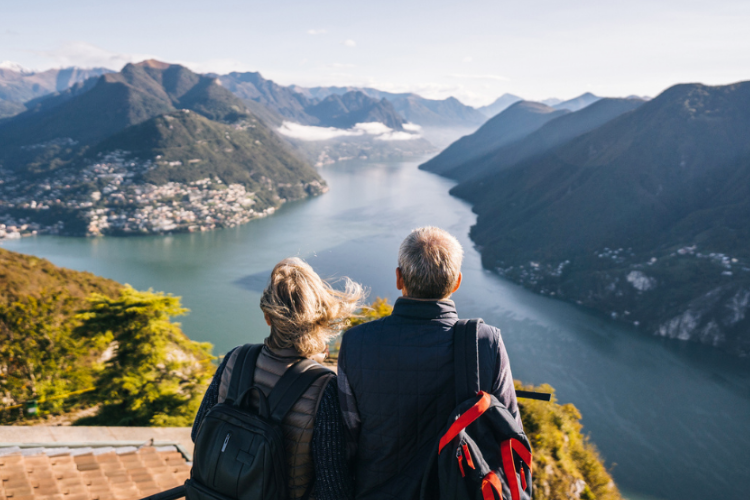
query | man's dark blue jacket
[397, 391]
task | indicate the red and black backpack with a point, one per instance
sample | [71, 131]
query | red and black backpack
[483, 454]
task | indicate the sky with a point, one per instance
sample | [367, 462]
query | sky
[473, 50]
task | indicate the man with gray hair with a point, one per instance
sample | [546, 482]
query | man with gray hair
[396, 375]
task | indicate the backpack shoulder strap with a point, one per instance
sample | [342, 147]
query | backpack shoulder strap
[292, 385]
[466, 359]
[243, 370]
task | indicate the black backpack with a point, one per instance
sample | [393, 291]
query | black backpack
[482, 454]
[239, 452]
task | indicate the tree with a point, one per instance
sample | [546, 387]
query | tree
[40, 359]
[380, 308]
[153, 374]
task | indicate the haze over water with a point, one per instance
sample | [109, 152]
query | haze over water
[672, 416]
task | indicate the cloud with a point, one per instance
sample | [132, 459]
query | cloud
[14, 67]
[310, 133]
[316, 32]
[468, 59]
[350, 43]
[481, 77]
[86, 55]
[379, 131]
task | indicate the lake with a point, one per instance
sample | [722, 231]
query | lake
[671, 419]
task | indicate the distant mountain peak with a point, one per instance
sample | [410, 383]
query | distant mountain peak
[13, 66]
[552, 101]
[153, 63]
[578, 103]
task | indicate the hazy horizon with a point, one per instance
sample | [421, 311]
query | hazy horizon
[475, 52]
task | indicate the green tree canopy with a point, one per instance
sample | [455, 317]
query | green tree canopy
[39, 357]
[153, 374]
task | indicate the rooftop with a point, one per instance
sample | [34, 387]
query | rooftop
[101, 469]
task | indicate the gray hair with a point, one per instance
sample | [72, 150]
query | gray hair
[430, 262]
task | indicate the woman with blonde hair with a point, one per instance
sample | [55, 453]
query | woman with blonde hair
[304, 314]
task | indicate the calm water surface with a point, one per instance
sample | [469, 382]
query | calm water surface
[673, 420]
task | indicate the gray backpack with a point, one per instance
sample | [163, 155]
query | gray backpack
[240, 452]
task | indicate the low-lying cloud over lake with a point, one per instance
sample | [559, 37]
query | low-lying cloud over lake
[380, 131]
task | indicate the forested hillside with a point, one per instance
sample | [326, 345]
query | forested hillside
[71, 340]
[154, 148]
[516, 122]
[554, 133]
[645, 218]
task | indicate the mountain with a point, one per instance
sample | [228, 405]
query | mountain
[554, 133]
[345, 111]
[14, 66]
[320, 93]
[449, 112]
[513, 124]
[155, 148]
[499, 105]
[340, 107]
[645, 218]
[10, 108]
[552, 101]
[577, 103]
[187, 147]
[93, 110]
[20, 85]
[283, 100]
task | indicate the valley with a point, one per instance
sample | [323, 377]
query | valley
[593, 200]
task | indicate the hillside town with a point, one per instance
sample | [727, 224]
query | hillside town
[109, 198]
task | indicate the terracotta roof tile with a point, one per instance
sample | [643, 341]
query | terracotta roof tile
[89, 473]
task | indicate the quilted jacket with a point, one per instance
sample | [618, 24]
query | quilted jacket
[396, 391]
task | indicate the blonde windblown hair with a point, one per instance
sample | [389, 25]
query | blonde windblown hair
[305, 312]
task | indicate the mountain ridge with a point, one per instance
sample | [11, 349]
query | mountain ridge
[21, 86]
[516, 122]
[644, 218]
[499, 105]
[577, 103]
[550, 135]
[135, 140]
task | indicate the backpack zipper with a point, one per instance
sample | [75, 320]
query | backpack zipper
[467, 456]
[459, 457]
[226, 440]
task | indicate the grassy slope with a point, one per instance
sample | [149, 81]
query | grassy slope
[24, 275]
[566, 464]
